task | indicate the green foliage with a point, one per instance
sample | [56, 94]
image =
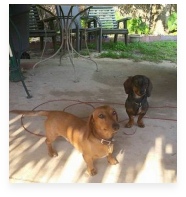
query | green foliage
[172, 22]
[137, 26]
[118, 15]
[149, 51]
[83, 22]
[150, 12]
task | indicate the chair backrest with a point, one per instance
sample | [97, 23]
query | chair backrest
[106, 16]
[34, 20]
[63, 11]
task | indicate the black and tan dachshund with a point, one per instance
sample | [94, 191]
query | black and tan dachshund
[138, 88]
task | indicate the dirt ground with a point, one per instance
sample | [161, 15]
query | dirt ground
[145, 155]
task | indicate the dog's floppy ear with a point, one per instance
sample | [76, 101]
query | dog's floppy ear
[128, 85]
[149, 89]
[90, 125]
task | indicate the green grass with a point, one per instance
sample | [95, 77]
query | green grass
[148, 51]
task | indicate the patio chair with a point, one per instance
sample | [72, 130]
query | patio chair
[62, 12]
[41, 28]
[106, 19]
[18, 41]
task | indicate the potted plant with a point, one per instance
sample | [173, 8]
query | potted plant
[136, 28]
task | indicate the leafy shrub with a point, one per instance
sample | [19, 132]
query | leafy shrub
[137, 26]
[172, 22]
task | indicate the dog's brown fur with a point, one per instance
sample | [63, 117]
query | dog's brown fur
[93, 138]
[138, 88]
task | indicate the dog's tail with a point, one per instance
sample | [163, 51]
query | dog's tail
[31, 113]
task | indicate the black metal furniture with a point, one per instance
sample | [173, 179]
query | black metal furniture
[41, 27]
[18, 40]
[70, 22]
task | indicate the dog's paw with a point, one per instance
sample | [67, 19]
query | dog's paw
[128, 125]
[92, 172]
[141, 124]
[53, 154]
[113, 161]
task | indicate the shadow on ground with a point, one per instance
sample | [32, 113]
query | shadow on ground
[147, 155]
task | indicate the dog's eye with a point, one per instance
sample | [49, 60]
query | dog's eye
[114, 113]
[101, 116]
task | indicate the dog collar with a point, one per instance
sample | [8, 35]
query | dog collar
[139, 104]
[141, 101]
[103, 141]
[107, 142]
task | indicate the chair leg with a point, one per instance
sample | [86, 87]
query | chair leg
[17, 76]
[80, 42]
[54, 42]
[126, 39]
[41, 43]
[115, 37]
[100, 40]
[77, 41]
[88, 37]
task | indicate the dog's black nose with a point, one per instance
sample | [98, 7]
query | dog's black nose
[115, 126]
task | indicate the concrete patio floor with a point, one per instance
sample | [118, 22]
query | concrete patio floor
[145, 155]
